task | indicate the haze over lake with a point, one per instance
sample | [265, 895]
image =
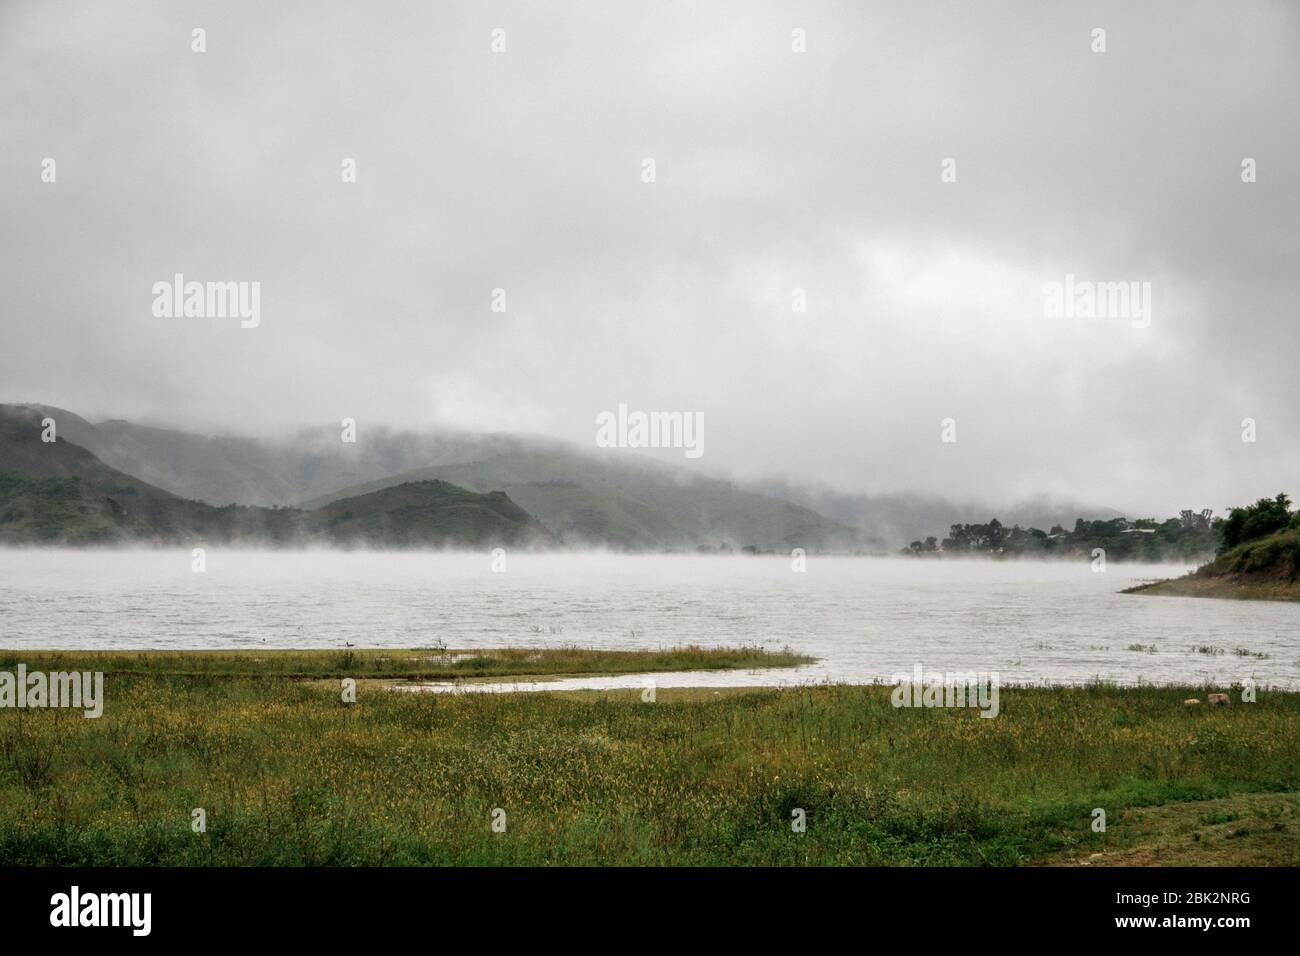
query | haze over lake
[865, 618]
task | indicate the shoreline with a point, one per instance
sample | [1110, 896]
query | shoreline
[405, 664]
[1219, 588]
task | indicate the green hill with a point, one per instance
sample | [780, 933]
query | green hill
[58, 493]
[612, 499]
[1265, 568]
[637, 505]
[420, 512]
[59, 511]
[220, 469]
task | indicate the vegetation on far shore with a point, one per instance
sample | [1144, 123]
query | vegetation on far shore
[287, 773]
[1255, 549]
[1192, 536]
[1266, 569]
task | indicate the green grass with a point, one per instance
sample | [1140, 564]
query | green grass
[422, 512]
[54, 511]
[289, 774]
[1241, 830]
[1264, 569]
[431, 663]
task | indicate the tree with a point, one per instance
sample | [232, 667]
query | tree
[1255, 521]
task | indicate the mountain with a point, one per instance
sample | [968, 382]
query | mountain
[59, 511]
[61, 493]
[221, 469]
[586, 498]
[58, 492]
[417, 513]
[610, 498]
[603, 501]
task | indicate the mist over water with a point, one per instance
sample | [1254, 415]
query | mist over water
[865, 618]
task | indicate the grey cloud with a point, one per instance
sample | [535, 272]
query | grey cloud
[776, 171]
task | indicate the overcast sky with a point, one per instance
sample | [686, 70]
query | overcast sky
[775, 171]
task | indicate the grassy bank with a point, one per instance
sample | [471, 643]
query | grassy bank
[1264, 569]
[288, 774]
[1220, 587]
[412, 664]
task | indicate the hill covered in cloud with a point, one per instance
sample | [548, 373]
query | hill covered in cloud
[584, 497]
[60, 493]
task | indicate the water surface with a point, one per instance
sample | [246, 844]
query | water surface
[866, 618]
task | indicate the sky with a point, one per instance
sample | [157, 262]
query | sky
[779, 173]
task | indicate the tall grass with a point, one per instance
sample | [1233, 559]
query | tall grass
[288, 774]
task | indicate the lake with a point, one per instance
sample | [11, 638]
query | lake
[866, 618]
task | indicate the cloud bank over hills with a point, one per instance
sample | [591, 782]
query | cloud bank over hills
[584, 498]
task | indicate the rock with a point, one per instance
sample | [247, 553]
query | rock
[1191, 700]
[1219, 700]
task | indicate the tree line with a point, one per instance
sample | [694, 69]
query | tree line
[1192, 536]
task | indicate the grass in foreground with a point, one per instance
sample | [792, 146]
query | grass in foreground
[288, 774]
[1242, 830]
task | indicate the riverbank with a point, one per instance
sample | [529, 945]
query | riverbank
[1265, 569]
[426, 663]
[1228, 587]
[285, 772]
